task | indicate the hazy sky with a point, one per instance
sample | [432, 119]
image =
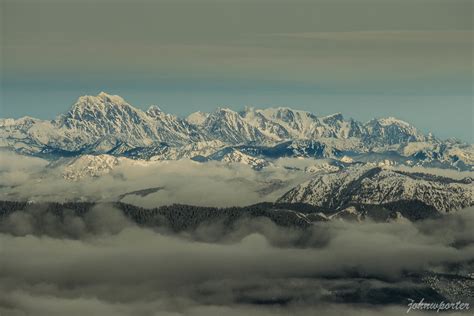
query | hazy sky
[406, 58]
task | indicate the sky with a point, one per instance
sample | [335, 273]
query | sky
[411, 59]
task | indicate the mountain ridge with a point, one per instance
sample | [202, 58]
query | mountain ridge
[377, 185]
[109, 124]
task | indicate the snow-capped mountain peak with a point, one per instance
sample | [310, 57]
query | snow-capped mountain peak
[111, 97]
[333, 117]
[92, 118]
[392, 121]
[197, 118]
[89, 108]
[87, 166]
[391, 131]
[101, 100]
[154, 111]
[228, 126]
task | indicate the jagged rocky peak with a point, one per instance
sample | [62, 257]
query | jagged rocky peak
[224, 116]
[392, 121]
[392, 131]
[225, 111]
[277, 114]
[228, 126]
[154, 111]
[286, 114]
[333, 118]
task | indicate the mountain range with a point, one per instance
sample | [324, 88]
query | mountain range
[107, 124]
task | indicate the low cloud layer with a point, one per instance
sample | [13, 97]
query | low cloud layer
[183, 181]
[102, 264]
